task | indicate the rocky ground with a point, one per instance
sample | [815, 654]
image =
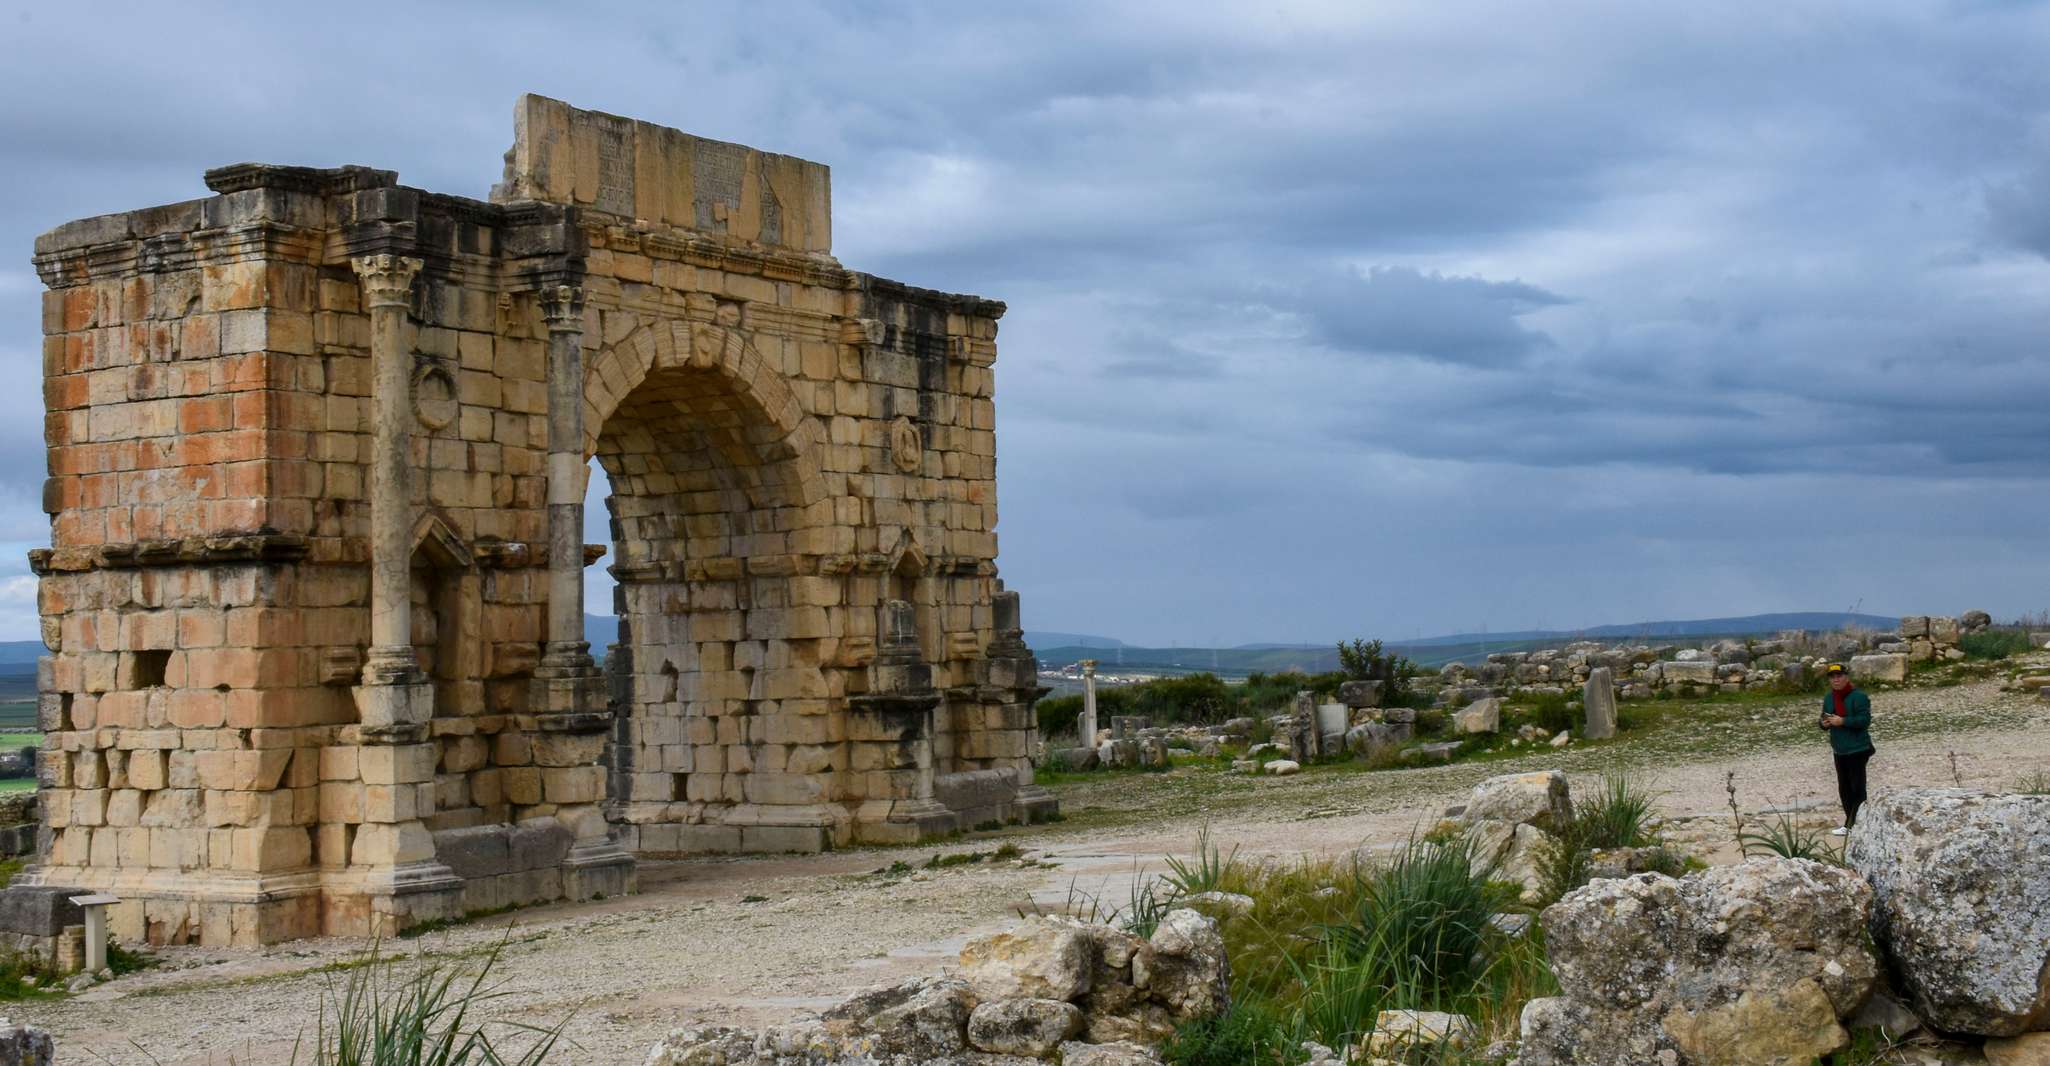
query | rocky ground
[749, 941]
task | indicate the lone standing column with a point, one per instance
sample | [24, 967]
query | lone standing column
[387, 279]
[566, 653]
[1600, 699]
[1088, 725]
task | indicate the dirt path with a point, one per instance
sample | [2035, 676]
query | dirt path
[750, 940]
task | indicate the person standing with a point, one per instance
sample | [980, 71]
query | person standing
[1847, 715]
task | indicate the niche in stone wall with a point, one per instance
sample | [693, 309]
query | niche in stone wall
[447, 635]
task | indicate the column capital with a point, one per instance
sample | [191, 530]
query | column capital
[386, 278]
[563, 307]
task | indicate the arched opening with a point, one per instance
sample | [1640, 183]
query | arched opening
[720, 704]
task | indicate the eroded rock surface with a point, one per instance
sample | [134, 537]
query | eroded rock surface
[1747, 965]
[1961, 885]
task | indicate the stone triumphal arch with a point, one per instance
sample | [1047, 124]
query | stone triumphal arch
[314, 597]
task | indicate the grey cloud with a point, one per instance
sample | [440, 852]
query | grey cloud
[1404, 311]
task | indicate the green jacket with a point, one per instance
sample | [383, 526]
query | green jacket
[1855, 735]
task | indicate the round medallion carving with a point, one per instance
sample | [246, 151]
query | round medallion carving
[907, 448]
[434, 397]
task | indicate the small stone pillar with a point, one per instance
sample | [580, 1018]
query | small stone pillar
[1087, 728]
[95, 907]
[393, 693]
[1599, 696]
[567, 681]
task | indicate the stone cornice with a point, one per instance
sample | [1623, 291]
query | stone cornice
[188, 551]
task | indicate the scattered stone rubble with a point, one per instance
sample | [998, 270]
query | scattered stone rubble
[1050, 989]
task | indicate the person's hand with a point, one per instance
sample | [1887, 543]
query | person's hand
[1833, 720]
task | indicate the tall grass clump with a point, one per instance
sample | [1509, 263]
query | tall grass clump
[1994, 644]
[1618, 815]
[1788, 839]
[1210, 871]
[378, 1016]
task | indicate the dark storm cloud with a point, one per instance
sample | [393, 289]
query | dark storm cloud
[1575, 305]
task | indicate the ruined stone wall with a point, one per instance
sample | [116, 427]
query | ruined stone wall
[314, 590]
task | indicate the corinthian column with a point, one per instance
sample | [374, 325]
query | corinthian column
[566, 653]
[386, 281]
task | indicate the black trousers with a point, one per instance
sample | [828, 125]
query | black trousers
[1850, 782]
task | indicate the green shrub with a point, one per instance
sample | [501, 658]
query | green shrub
[1367, 660]
[1189, 698]
[1994, 643]
[1552, 711]
[1057, 715]
[1241, 1035]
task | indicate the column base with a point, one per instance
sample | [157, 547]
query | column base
[398, 706]
[599, 868]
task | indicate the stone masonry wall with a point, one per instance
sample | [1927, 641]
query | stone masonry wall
[313, 596]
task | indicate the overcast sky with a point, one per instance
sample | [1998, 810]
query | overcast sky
[1326, 320]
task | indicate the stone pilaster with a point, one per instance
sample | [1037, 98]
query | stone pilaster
[393, 694]
[567, 681]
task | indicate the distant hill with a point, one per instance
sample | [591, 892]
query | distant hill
[19, 656]
[1437, 651]
[1037, 639]
[1745, 625]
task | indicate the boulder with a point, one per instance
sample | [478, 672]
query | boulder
[1186, 970]
[1480, 716]
[1284, 767]
[1372, 736]
[1119, 1054]
[1224, 902]
[25, 1045]
[1542, 799]
[1961, 881]
[1914, 626]
[1041, 958]
[1399, 1033]
[1429, 753]
[1360, 693]
[1516, 853]
[1880, 667]
[2028, 1049]
[1974, 621]
[1943, 630]
[1599, 696]
[922, 1017]
[1755, 963]
[1029, 1027]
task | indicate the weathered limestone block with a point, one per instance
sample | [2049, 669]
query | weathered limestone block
[1399, 1034]
[1028, 1027]
[1697, 671]
[1042, 958]
[1542, 799]
[1754, 963]
[1357, 694]
[1880, 667]
[1480, 716]
[1962, 887]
